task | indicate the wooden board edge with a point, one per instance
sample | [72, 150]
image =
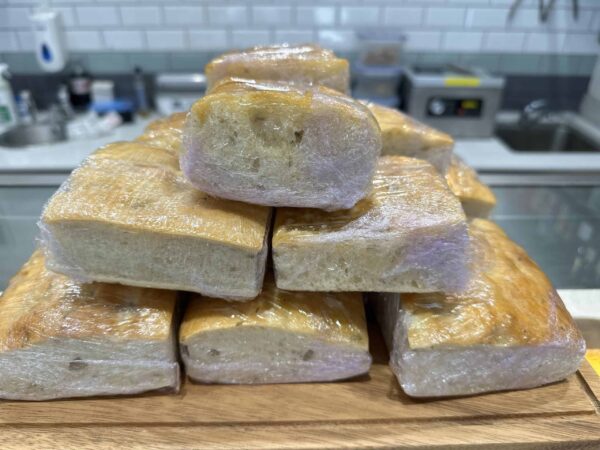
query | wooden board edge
[578, 432]
[590, 381]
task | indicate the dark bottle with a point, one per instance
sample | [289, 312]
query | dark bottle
[141, 94]
[80, 88]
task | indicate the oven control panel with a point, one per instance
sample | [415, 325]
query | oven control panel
[454, 107]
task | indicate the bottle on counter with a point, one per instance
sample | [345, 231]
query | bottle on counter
[80, 88]
[141, 94]
[62, 96]
[8, 108]
[27, 107]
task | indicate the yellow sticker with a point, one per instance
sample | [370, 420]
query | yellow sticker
[462, 81]
[593, 357]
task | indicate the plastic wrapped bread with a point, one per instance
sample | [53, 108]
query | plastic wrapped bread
[278, 145]
[405, 136]
[304, 64]
[408, 235]
[477, 199]
[165, 133]
[279, 337]
[128, 215]
[60, 338]
[508, 330]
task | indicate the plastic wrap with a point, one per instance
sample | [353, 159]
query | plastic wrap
[165, 133]
[408, 235]
[60, 338]
[128, 215]
[277, 145]
[507, 330]
[303, 64]
[279, 337]
[405, 136]
[477, 199]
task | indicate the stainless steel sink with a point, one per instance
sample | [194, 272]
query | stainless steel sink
[564, 132]
[38, 133]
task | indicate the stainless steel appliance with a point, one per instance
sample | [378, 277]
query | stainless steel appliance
[461, 101]
[176, 92]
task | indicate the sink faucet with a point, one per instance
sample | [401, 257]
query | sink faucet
[534, 112]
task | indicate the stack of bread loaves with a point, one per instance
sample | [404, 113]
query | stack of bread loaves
[360, 198]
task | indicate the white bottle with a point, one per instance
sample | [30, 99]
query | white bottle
[8, 108]
[50, 44]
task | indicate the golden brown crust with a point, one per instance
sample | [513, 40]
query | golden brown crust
[305, 63]
[509, 301]
[39, 305]
[268, 96]
[174, 121]
[134, 154]
[403, 135]
[335, 317]
[472, 193]
[138, 187]
[165, 133]
[399, 182]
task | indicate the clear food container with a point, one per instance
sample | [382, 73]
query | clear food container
[380, 47]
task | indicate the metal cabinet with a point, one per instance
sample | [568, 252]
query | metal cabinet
[559, 226]
[20, 208]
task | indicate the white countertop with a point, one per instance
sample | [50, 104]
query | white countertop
[492, 155]
[582, 303]
[482, 154]
[64, 156]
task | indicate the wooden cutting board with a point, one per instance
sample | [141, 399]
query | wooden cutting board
[371, 412]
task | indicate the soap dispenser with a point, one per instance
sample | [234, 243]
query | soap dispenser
[50, 44]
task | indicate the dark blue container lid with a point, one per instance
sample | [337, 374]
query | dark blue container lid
[120, 106]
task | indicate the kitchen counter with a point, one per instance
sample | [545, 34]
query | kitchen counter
[492, 155]
[64, 156]
[486, 155]
[489, 155]
[584, 306]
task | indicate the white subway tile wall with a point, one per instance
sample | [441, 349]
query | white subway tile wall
[502, 41]
[208, 40]
[294, 36]
[249, 37]
[8, 42]
[445, 17]
[473, 26]
[359, 16]
[394, 16]
[184, 15]
[318, 16]
[141, 15]
[166, 39]
[97, 16]
[124, 40]
[279, 16]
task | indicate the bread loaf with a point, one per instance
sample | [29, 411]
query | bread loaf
[476, 198]
[303, 64]
[279, 337]
[127, 215]
[508, 330]
[60, 338]
[165, 133]
[405, 136]
[277, 145]
[408, 235]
